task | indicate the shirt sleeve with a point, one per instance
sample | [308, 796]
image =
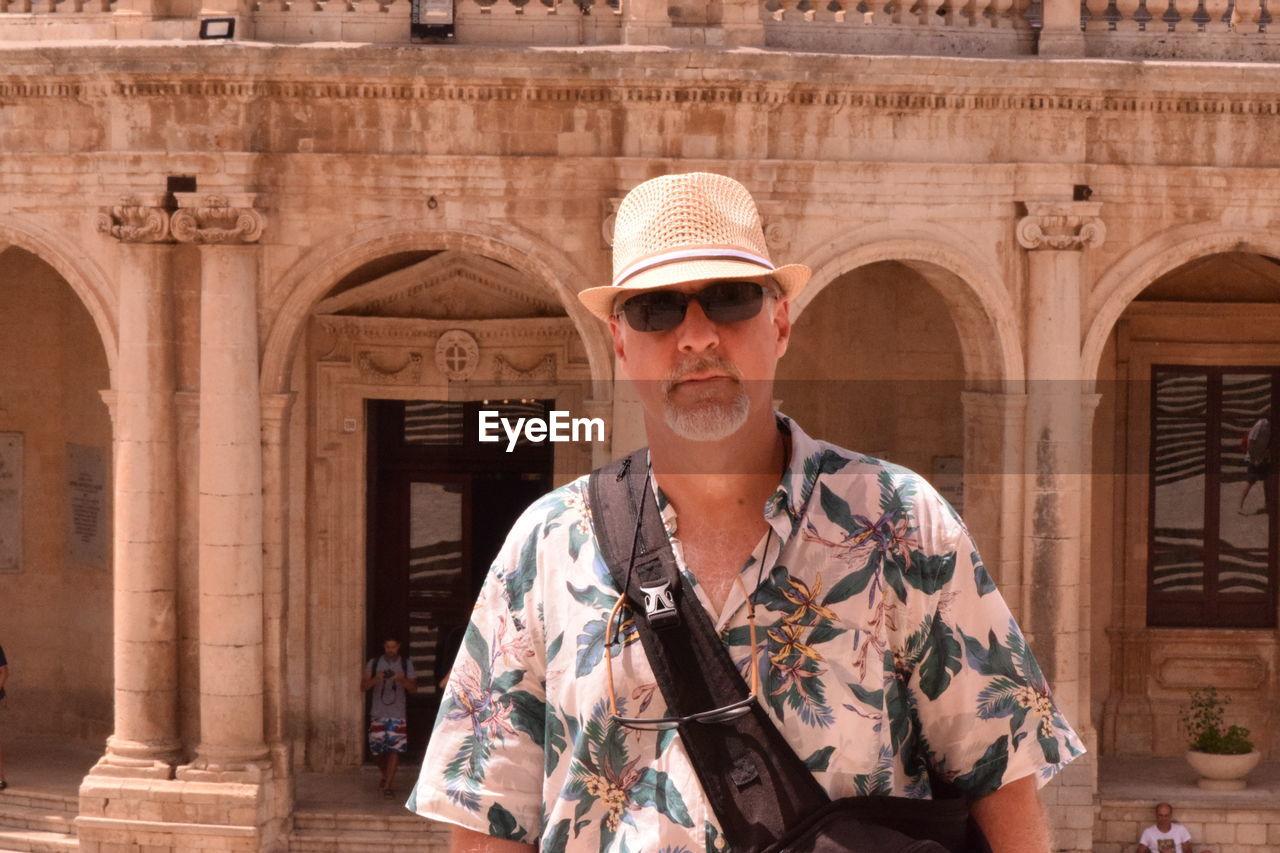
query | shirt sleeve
[483, 767]
[1148, 840]
[987, 715]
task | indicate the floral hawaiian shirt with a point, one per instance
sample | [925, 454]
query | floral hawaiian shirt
[886, 649]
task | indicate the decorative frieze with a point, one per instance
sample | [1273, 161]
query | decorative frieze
[1061, 226]
[216, 219]
[136, 220]
[409, 372]
[542, 370]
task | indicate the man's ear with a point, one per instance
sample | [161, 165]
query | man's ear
[615, 330]
[782, 322]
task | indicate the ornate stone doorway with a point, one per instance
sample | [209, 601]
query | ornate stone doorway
[460, 330]
[440, 506]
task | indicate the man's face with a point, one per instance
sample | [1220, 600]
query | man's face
[1164, 817]
[702, 379]
[391, 648]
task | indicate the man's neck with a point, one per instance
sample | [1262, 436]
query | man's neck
[718, 476]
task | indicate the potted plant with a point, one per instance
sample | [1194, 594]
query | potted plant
[1222, 757]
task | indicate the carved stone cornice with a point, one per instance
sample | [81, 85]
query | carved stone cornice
[136, 220]
[216, 219]
[1061, 226]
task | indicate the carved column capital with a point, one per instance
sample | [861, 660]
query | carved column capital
[216, 219]
[1061, 225]
[136, 220]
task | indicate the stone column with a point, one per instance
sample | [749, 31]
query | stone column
[145, 737]
[275, 431]
[1060, 33]
[232, 731]
[1056, 233]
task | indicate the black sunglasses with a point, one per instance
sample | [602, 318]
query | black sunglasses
[723, 302]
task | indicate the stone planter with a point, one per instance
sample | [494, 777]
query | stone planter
[1222, 772]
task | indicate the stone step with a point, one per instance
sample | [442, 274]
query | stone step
[67, 804]
[15, 815]
[338, 832]
[35, 841]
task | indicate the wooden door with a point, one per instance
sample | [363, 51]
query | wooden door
[440, 507]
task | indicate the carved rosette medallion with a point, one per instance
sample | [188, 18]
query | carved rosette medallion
[135, 220]
[777, 235]
[457, 355]
[216, 219]
[1061, 226]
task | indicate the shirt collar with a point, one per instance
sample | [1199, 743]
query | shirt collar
[786, 505]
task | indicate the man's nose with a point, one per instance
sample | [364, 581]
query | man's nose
[696, 333]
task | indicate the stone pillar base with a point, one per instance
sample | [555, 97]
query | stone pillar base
[133, 760]
[178, 816]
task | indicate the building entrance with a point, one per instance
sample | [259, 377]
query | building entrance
[440, 505]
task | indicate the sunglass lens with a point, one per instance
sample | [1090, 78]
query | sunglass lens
[731, 301]
[658, 311]
[647, 725]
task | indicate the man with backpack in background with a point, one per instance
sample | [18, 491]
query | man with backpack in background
[391, 678]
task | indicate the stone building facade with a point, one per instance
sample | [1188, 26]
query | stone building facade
[217, 258]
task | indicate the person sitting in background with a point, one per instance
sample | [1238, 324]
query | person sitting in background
[1165, 836]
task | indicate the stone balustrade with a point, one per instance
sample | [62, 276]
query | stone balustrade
[1181, 29]
[1120, 29]
[949, 27]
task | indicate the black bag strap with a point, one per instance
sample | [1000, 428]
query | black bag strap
[754, 781]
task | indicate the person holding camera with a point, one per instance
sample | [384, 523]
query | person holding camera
[4, 676]
[391, 678]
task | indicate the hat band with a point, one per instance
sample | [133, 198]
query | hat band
[687, 255]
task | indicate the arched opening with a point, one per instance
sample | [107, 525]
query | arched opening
[873, 358]
[55, 513]
[1185, 529]
[405, 506]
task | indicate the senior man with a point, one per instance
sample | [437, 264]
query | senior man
[885, 653]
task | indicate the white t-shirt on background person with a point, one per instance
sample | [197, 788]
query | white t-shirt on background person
[1165, 841]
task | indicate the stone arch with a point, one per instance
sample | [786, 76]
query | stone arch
[969, 285]
[1121, 283]
[312, 277]
[85, 278]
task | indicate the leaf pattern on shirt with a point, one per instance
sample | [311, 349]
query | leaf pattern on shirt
[878, 626]
[604, 775]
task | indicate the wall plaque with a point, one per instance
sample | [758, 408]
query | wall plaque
[10, 501]
[86, 505]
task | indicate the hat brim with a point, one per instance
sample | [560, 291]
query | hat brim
[600, 300]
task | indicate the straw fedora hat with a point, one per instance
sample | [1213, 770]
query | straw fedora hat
[682, 229]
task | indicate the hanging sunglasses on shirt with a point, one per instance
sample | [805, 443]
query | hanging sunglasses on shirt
[723, 302]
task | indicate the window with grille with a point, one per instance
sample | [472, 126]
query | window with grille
[1212, 540]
